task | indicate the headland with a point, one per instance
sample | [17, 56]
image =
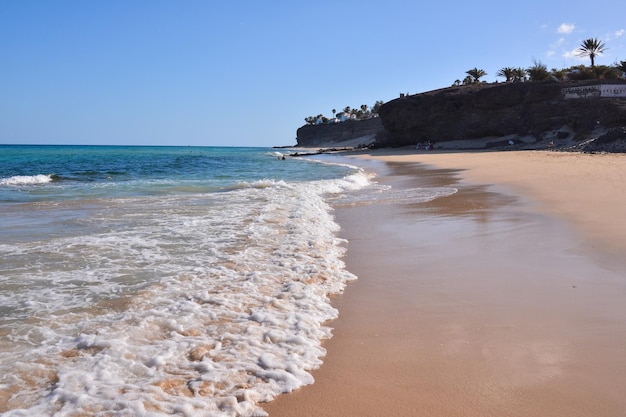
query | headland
[584, 115]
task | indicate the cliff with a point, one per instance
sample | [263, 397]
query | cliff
[335, 133]
[475, 112]
[495, 110]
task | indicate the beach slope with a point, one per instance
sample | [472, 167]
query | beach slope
[504, 299]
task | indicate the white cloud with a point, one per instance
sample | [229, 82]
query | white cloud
[619, 33]
[573, 54]
[566, 28]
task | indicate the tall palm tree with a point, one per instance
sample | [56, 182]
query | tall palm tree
[591, 47]
[476, 74]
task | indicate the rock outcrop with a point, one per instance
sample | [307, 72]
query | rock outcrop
[478, 111]
[495, 110]
[311, 136]
[613, 141]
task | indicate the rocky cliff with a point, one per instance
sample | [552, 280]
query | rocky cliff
[475, 112]
[495, 110]
[335, 133]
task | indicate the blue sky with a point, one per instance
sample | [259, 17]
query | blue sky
[247, 73]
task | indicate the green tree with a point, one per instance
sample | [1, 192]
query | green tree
[519, 74]
[559, 74]
[507, 73]
[476, 74]
[606, 72]
[538, 72]
[376, 106]
[591, 47]
[580, 72]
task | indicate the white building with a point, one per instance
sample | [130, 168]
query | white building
[600, 90]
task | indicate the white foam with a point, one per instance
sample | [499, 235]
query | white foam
[388, 195]
[199, 305]
[26, 180]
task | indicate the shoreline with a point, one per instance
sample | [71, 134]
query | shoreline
[584, 189]
[504, 299]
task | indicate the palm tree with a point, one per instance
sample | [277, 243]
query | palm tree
[377, 106]
[538, 72]
[519, 74]
[506, 72]
[591, 47]
[559, 74]
[476, 74]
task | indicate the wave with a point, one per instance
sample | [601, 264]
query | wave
[28, 179]
[275, 154]
[202, 305]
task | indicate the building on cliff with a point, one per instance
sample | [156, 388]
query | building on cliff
[600, 90]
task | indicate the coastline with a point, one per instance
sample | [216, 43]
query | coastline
[504, 299]
[586, 190]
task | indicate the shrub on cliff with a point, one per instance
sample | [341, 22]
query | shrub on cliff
[538, 72]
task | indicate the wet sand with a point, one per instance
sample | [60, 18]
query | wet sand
[505, 299]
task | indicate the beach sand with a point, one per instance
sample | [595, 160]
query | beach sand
[507, 298]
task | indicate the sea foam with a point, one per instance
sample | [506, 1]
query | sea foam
[196, 305]
[26, 180]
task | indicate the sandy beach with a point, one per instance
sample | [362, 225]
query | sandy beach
[504, 299]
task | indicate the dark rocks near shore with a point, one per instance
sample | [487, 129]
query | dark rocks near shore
[613, 141]
[472, 113]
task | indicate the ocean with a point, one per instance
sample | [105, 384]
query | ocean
[159, 281]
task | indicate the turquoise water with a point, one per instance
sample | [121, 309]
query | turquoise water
[71, 172]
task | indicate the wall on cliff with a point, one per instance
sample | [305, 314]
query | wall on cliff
[493, 110]
[330, 133]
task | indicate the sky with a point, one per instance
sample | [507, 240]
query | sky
[247, 73]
